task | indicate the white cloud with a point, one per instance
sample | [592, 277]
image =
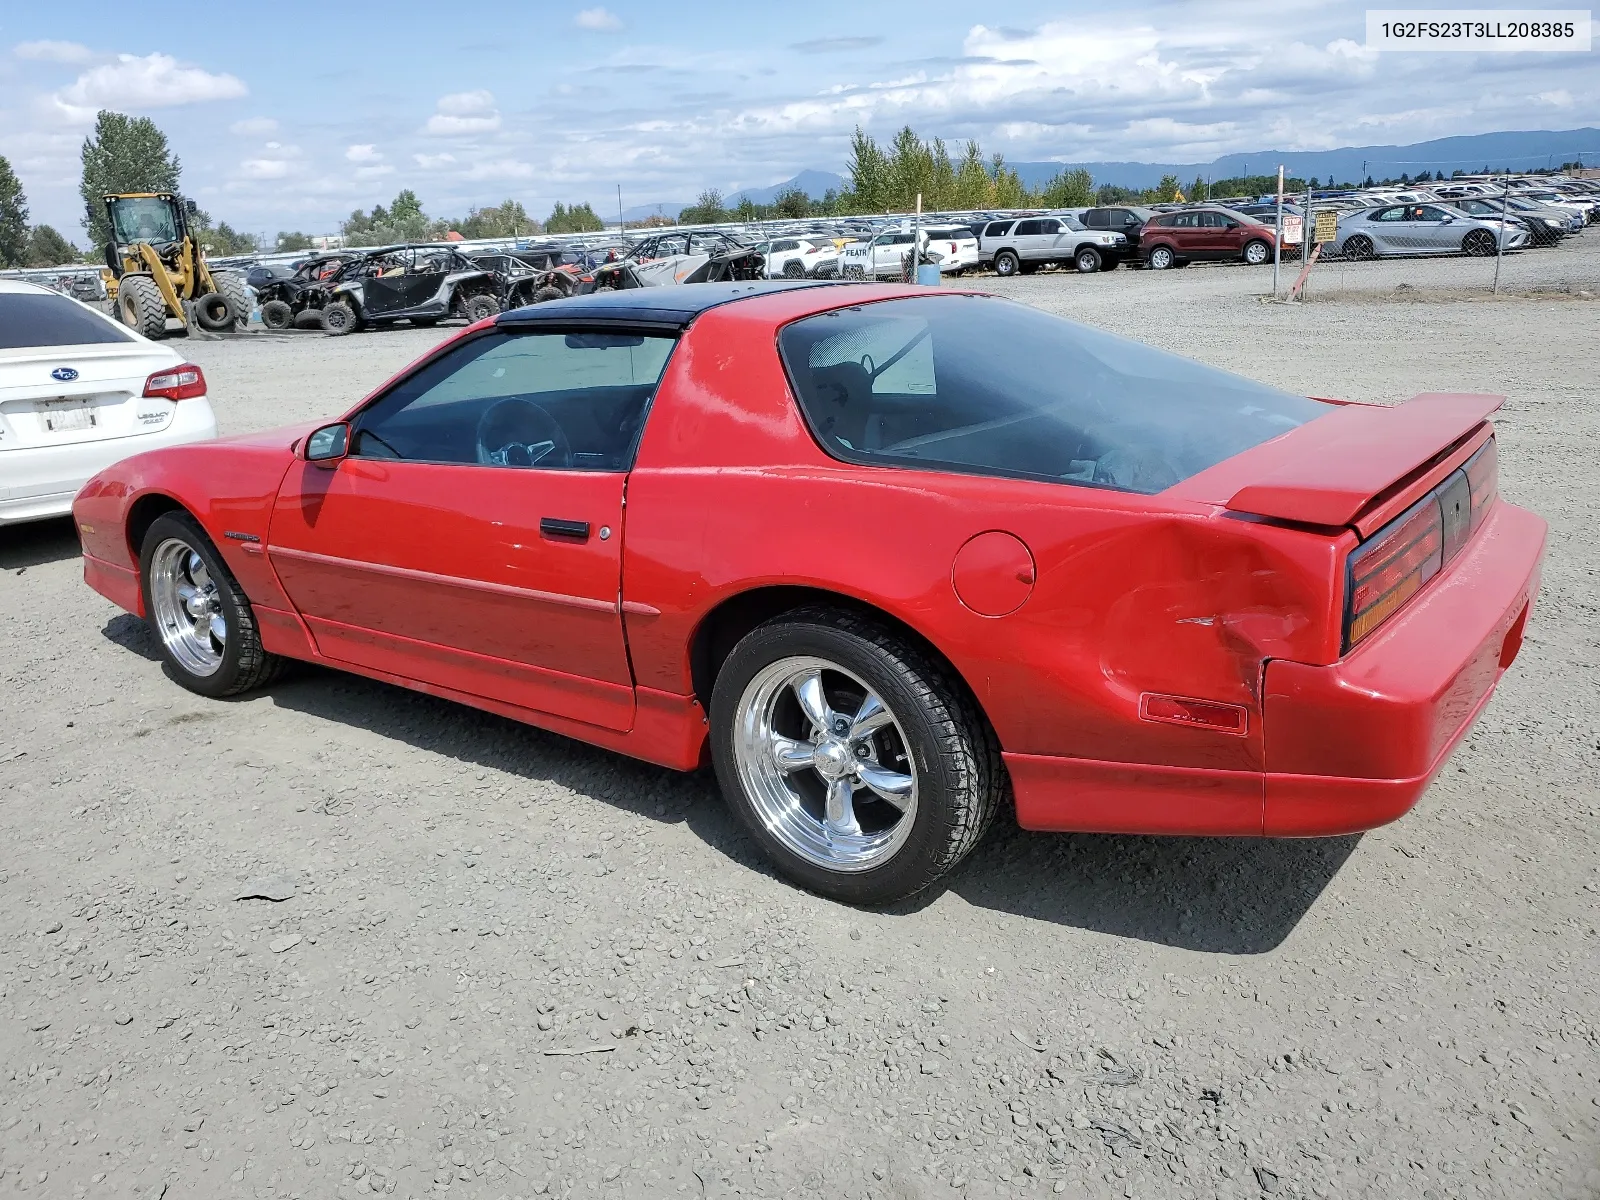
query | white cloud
[1560, 98]
[462, 113]
[153, 81]
[433, 162]
[60, 52]
[500, 168]
[376, 171]
[363, 152]
[254, 126]
[599, 20]
[275, 161]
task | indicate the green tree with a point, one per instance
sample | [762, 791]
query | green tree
[792, 203]
[578, 218]
[707, 210]
[1198, 189]
[124, 154]
[402, 221]
[1069, 189]
[507, 219]
[292, 241]
[13, 218]
[221, 240]
[868, 175]
[47, 248]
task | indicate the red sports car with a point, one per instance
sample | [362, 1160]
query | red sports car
[887, 557]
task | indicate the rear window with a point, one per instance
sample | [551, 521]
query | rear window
[918, 383]
[46, 319]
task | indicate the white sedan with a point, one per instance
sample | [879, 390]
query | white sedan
[78, 392]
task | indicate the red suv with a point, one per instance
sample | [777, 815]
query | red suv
[1177, 239]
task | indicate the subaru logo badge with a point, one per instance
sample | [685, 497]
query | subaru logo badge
[64, 374]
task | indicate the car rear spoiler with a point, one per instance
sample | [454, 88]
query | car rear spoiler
[1359, 452]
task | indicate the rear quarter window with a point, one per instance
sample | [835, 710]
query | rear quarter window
[917, 383]
[46, 319]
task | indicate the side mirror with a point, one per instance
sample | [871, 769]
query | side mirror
[190, 207]
[327, 445]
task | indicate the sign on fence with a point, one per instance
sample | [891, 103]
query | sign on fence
[1327, 225]
[1291, 230]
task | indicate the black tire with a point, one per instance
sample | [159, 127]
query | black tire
[339, 319]
[309, 318]
[213, 313]
[238, 294]
[1359, 248]
[1160, 258]
[1007, 264]
[141, 307]
[276, 314]
[793, 270]
[956, 758]
[245, 665]
[548, 293]
[480, 307]
[1479, 243]
[1257, 253]
[1088, 261]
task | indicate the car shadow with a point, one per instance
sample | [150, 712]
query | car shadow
[1220, 895]
[37, 543]
[132, 633]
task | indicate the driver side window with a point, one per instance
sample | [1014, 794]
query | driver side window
[560, 401]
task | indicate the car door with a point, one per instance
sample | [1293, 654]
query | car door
[1436, 231]
[1391, 231]
[472, 537]
[1212, 236]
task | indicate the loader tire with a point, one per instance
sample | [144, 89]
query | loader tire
[141, 307]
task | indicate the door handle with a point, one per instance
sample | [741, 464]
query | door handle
[555, 527]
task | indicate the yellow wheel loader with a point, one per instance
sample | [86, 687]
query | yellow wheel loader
[158, 270]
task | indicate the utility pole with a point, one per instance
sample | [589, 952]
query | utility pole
[1500, 242]
[621, 224]
[1277, 241]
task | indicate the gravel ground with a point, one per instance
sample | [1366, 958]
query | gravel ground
[497, 963]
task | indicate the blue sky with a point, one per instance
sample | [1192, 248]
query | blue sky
[290, 115]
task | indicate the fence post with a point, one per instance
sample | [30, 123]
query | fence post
[1500, 243]
[1307, 226]
[1277, 241]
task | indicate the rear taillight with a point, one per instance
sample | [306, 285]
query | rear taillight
[1395, 564]
[813, 250]
[183, 382]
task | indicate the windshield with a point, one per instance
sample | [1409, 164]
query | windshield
[917, 383]
[29, 319]
[147, 219]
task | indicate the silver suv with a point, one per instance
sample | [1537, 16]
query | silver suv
[1022, 246]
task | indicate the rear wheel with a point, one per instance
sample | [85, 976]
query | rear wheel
[201, 619]
[1160, 258]
[141, 307]
[547, 293]
[238, 294]
[857, 762]
[1359, 247]
[276, 314]
[339, 318]
[1256, 253]
[1088, 261]
[1007, 263]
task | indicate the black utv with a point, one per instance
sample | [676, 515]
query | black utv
[420, 284]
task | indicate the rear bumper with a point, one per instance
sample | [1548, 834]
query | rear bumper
[40, 481]
[1349, 746]
[1353, 745]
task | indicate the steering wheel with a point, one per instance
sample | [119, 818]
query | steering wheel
[519, 433]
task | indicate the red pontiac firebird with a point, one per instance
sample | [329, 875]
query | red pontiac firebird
[885, 556]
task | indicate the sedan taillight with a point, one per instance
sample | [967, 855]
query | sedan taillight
[183, 382]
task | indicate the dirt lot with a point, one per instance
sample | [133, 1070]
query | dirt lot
[513, 966]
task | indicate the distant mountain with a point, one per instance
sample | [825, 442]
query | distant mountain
[1517, 150]
[813, 183]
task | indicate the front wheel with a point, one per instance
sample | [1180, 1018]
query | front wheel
[1160, 258]
[481, 308]
[793, 270]
[1087, 261]
[339, 318]
[276, 314]
[1256, 253]
[201, 619]
[1479, 243]
[858, 763]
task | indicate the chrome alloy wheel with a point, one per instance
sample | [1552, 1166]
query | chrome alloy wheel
[187, 608]
[825, 764]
